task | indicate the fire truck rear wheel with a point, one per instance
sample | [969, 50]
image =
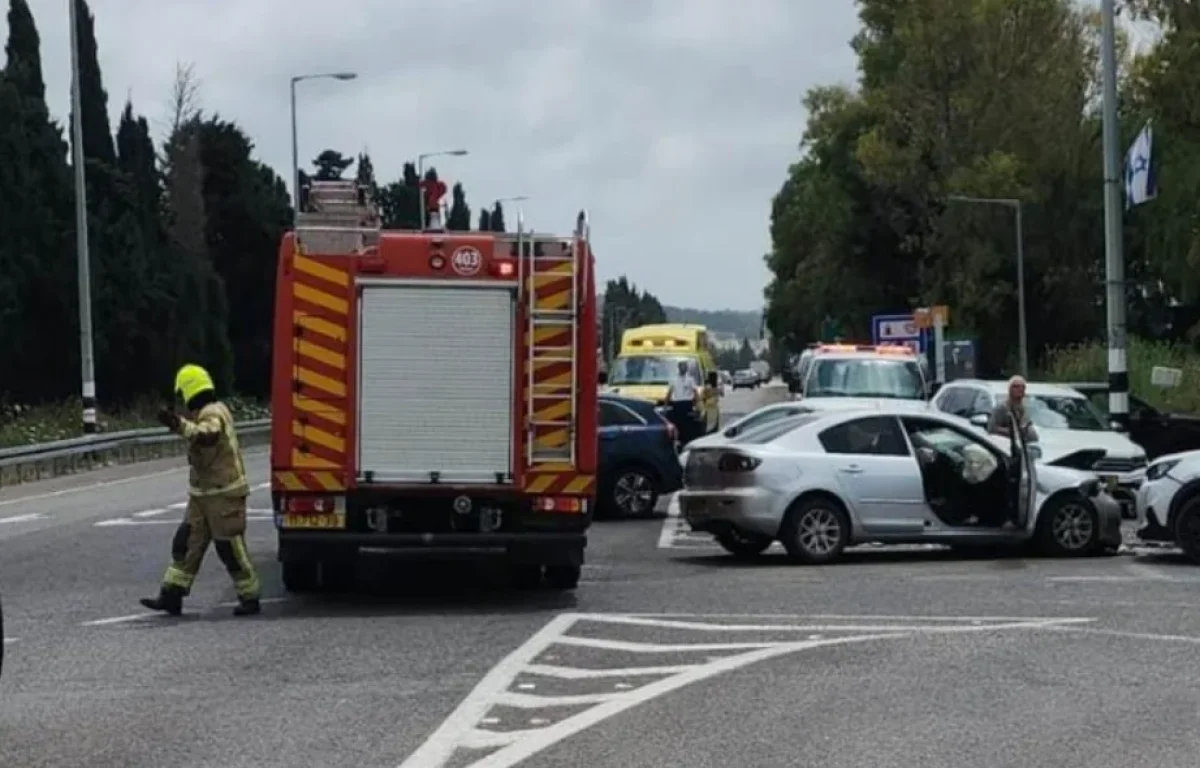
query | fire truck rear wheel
[338, 575]
[563, 576]
[301, 576]
[525, 575]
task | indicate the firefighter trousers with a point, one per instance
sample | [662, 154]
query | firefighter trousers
[220, 521]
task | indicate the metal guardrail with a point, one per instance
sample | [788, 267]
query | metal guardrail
[26, 463]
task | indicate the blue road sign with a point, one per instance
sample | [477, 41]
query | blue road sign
[900, 329]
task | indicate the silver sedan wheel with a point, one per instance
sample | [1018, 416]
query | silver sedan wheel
[819, 531]
[1073, 526]
[634, 493]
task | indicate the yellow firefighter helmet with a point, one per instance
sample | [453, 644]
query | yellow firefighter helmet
[191, 381]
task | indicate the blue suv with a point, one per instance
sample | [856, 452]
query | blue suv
[639, 458]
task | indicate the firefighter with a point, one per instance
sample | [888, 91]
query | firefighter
[216, 508]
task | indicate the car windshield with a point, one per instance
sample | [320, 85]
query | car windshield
[1065, 412]
[650, 369]
[772, 430]
[865, 377]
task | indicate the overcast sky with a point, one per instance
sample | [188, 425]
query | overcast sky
[672, 121]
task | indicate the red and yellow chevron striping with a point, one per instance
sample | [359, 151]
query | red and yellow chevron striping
[552, 286]
[321, 296]
[562, 480]
[320, 482]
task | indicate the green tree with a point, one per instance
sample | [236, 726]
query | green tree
[497, 218]
[37, 265]
[625, 306]
[247, 212]
[460, 213]
[485, 220]
[364, 174]
[330, 165]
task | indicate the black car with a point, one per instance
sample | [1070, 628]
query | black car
[1158, 432]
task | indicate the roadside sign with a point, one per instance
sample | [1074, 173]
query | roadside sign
[899, 329]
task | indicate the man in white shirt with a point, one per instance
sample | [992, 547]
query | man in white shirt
[683, 396]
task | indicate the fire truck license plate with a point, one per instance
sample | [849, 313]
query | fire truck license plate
[314, 521]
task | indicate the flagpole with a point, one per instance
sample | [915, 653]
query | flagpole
[1114, 258]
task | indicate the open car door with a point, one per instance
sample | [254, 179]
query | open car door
[1026, 491]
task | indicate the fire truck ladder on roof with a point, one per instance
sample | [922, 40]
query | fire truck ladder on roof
[550, 270]
[337, 218]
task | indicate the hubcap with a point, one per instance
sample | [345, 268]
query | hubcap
[1073, 528]
[634, 493]
[819, 531]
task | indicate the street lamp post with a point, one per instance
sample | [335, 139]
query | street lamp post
[87, 363]
[1015, 204]
[421, 158]
[520, 211]
[295, 140]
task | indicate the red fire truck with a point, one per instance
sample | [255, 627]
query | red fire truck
[433, 390]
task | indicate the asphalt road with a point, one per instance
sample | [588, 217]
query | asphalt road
[668, 654]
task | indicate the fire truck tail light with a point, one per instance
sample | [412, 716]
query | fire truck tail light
[558, 504]
[503, 268]
[314, 505]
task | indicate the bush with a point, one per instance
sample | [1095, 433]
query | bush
[1089, 362]
[27, 425]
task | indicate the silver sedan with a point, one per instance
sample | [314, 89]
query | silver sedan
[823, 481]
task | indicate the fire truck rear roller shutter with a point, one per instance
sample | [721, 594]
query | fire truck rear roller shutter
[436, 383]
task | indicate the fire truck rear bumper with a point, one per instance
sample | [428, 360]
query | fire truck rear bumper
[544, 548]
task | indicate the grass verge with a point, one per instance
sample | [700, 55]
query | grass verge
[1089, 362]
[28, 425]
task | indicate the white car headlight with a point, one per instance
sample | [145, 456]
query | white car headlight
[1159, 469]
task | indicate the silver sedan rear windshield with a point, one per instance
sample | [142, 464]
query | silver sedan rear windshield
[774, 429]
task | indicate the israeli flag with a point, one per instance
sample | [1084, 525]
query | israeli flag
[1140, 184]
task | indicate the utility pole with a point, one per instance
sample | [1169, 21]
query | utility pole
[295, 133]
[87, 364]
[1114, 258]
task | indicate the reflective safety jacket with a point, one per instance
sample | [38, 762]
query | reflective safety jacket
[214, 455]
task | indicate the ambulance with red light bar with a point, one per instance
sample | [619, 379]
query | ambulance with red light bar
[857, 375]
[431, 390]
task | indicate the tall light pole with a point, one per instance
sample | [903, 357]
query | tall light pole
[520, 210]
[295, 139]
[1022, 333]
[421, 158]
[1114, 258]
[87, 364]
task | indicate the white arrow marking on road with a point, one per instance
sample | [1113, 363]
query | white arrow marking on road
[463, 729]
[22, 518]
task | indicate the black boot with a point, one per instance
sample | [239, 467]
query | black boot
[249, 606]
[169, 600]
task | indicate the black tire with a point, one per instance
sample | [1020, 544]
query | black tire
[743, 545]
[1, 639]
[563, 577]
[632, 490]
[1187, 528]
[815, 530]
[301, 576]
[339, 575]
[1070, 527]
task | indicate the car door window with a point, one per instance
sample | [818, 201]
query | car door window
[614, 415]
[982, 404]
[954, 400]
[869, 436]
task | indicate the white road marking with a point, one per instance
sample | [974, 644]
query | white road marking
[464, 729]
[119, 619]
[9, 640]
[252, 515]
[1131, 635]
[90, 487]
[22, 518]
[1105, 579]
[110, 620]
